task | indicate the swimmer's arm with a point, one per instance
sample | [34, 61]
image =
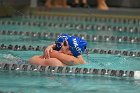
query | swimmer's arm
[50, 46]
[67, 59]
[47, 50]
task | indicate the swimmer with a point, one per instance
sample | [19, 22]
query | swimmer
[66, 51]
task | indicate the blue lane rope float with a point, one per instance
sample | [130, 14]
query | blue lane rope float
[68, 70]
[95, 51]
[88, 37]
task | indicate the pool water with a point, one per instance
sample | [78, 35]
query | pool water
[36, 83]
[31, 82]
[106, 61]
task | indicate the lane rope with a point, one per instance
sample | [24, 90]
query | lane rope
[88, 51]
[68, 70]
[78, 26]
[88, 37]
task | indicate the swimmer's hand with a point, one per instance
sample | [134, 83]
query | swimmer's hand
[48, 50]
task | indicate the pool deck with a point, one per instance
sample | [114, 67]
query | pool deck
[115, 12]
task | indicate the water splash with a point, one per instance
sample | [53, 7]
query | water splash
[14, 59]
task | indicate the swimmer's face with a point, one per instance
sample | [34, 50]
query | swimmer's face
[65, 48]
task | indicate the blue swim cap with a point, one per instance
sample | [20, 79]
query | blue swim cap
[76, 45]
[61, 39]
